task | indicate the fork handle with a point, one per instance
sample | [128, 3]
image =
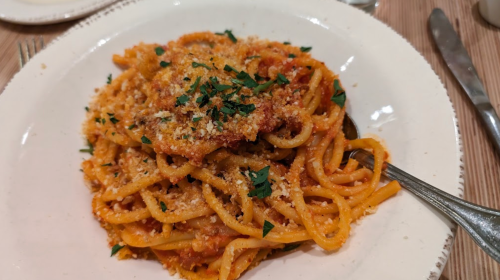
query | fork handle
[481, 223]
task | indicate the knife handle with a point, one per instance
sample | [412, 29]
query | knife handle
[490, 119]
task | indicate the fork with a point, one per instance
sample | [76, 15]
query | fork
[29, 49]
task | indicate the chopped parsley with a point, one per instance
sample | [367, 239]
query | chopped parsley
[116, 174]
[145, 140]
[110, 77]
[305, 49]
[163, 206]
[193, 87]
[113, 133]
[106, 164]
[338, 96]
[266, 228]
[181, 100]
[309, 67]
[297, 90]
[229, 68]
[113, 119]
[159, 51]
[197, 119]
[286, 43]
[97, 120]
[291, 55]
[115, 249]
[219, 87]
[253, 56]
[87, 109]
[165, 119]
[247, 80]
[262, 185]
[229, 34]
[185, 136]
[193, 129]
[145, 173]
[132, 126]
[187, 79]
[235, 81]
[219, 126]
[290, 247]
[103, 121]
[282, 79]
[258, 78]
[196, 65]
[145, 161]
[262, 87]
[89, 150]
[164, 64]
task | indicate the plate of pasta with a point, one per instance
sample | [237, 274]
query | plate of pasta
[186, 139]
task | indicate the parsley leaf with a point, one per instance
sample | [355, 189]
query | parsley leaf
[262, 185]
[217, 86]
[282, 79]
[87, 109]
[253, 56]
[116, 174]
[291, 55]
[219, 126]
[185, 136]
[114, 120]
[262, 87]
[193, 129]
[187, 79]
[290, 247]
[89, 150]
[229, 68]
[165, 64]
[106, 164]
[131, 127]
[163, 206]
[165, 119]
[181, 100]
[145, 161]
[145, 140]
[115, 249]
[197, 119]
[258, 78]
[235, 81]
[286, 43]
[159, 51]
[193, 87]
[227, 110]
[266, 228]
[196, 65]
[339, 96]
[305, 49]
[229, 34]
[110, 77]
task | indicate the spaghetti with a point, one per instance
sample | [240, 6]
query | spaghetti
[211, 152]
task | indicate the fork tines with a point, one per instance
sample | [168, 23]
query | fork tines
[29, 49]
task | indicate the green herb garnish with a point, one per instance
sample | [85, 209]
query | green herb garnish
[187, 79]
[229, 68]
[291, 55]
[286, 43]
[113, 119]
[89, 150]
[164, 63]
[110, 77]
[262, 87]
[196, 65]
[106, 164]
[262, 185]
[87, 109]
[229, 34]
[115, 249]
[253, 56]
[145, 160]
[197, 119]
[132, 126]
[181, 100]
[282, 79]
[290, 247]
[145, 140]
[159, 51]
[305, 49]
[163, 206]
[338, 96]
[266, 228]
[193, 87]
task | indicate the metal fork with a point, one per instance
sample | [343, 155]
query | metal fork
[29, 49]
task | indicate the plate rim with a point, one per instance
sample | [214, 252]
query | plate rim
[448, 242]
[71, 13]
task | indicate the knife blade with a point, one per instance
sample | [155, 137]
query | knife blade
[458, 60]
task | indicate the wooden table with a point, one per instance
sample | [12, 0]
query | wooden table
[408, 18]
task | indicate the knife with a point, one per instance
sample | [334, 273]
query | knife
[460, 64]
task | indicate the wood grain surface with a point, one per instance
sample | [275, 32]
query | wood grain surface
[408, 18]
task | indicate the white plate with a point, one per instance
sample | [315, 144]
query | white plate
[47, 229]
[36, 12]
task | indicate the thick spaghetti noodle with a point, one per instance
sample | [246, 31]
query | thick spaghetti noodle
[209, 153]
